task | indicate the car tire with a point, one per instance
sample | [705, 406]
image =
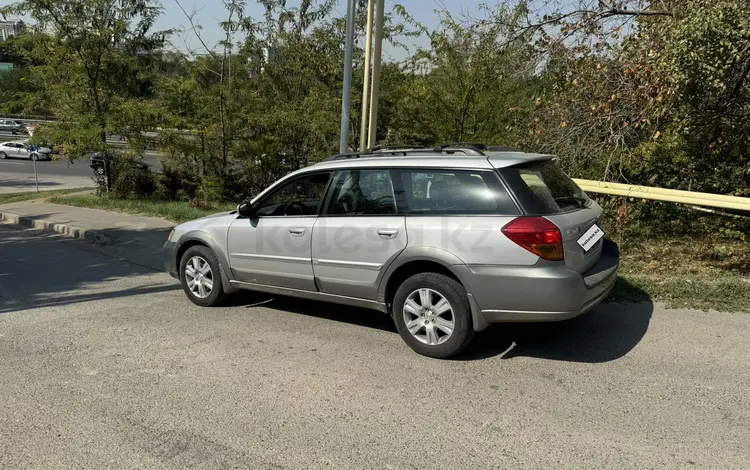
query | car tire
[194, 276]
[3, 155]
[34, 156]
[426, 331]
[99, 171]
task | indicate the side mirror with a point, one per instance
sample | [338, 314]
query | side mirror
[245, 209]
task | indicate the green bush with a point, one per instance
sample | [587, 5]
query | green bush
[177, 184]
[129, 178]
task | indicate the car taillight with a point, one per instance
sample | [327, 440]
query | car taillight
[538, 235]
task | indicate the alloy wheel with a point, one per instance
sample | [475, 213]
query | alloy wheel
[199, 277]
[429, 316]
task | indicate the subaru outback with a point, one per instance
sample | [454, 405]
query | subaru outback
[445, 240]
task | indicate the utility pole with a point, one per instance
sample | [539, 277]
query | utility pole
[346, 97]
[36, 176]
[366, 86]
[375, 92]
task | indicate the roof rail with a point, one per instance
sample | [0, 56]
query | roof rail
[465, 148]
[405, 150]
[473, 145]
[502, 148]
[395, 147]
[479, 146]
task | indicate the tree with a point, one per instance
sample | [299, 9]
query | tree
[89, 60]
[474, 83]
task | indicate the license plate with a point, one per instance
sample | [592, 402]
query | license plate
[589, 239]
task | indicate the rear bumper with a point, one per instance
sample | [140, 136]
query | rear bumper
[542, 292]
[170, 259]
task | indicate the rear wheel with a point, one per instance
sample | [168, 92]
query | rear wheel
[201, 277]
[432, 315]
[3, 155]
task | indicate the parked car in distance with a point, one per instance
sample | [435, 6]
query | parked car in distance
[96, 162]
[97, 159]
[12, 126]
[445, 240]
[22, 149]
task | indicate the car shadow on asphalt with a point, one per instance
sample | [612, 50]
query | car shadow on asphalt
[312, 308]
[603, 334]
[606, 333]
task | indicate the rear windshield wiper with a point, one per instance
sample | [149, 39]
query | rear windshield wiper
[582, 201]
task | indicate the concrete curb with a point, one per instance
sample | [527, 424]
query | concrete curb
[89, 235]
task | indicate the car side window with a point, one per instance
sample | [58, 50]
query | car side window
[362, 192]
[301, 196]
[452, 192]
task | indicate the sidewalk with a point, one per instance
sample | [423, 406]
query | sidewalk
[133, 238]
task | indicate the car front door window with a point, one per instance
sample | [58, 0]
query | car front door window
[299, 197]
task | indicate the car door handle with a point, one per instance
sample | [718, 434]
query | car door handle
[297, 232]
[387, 233]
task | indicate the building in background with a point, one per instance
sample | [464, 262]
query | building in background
[10, 28]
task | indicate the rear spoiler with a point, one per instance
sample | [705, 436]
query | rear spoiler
[507, 159]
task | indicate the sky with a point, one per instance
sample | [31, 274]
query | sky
[209, 13]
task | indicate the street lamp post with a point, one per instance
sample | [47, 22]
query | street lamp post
[346, 97]
[376, 60]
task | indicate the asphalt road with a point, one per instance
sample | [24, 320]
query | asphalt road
[18, 174]
[106, 364]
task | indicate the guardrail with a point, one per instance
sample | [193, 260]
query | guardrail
[667, 195]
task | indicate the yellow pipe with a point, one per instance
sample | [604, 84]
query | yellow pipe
[653, 190]
[739, 203]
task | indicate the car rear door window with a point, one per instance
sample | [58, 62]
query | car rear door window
[543, 188]
[427, 191]
[362, 192]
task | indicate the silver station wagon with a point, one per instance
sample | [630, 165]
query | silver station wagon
[446, 240]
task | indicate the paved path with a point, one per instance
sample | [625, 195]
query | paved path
[136, 238]
[105, 363]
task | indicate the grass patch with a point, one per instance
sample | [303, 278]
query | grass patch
[687, 272]
[28, 196]
[175, 211]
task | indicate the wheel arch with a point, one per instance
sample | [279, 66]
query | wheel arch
[409, 261]
[410, 268]
[425, 259]
[200, 238]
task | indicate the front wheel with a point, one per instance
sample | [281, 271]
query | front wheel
[432, 315]
[201, 278]
[34, 156]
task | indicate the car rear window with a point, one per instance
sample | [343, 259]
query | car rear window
[543, 188]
